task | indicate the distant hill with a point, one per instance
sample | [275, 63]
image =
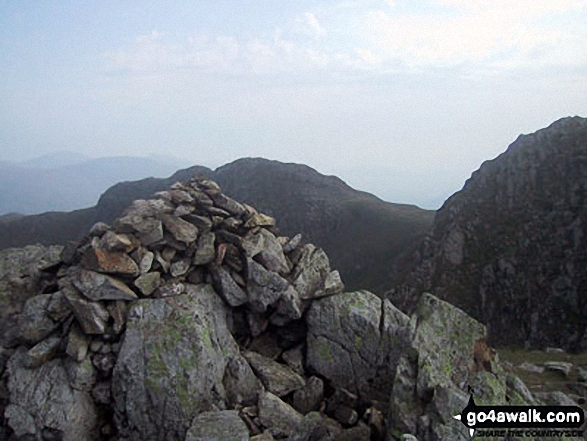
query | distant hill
[510, 248]
[365, 237]
[67, 181]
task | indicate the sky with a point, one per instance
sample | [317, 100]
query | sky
[404, 99]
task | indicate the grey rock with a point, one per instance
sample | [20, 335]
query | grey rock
[265, 436]
[228, 204]
[218, 426]
[260, 220]
[241, 385]
[267, 288]
[34, 323]
[277, 378]
[82, 375]
[292, 244]
[117, 311]
[99, 228]
[170, 289]
[517, 392]
[355, 340]
[181, 197]
[266, 248]
[309, 398]
[151, 232]
[233, 294]
[181, 230]
[171, 364]
[555, 398]
[333, 284]
[145, 260]
[408, 437]
[280, 418]
[102, 393]
[58, 308]
[203, 223]
[316, 426]
[267, 345]
[91, 316]
[77, 344]
[531, 367]
[560, 367]
[104, 363]
[360, 432]
[205, 251]
[41, 399]
[148, 282]
[118, 242]
[294, 358]
[96, 286]
[42, 352]
[179, 268]
[311, 271]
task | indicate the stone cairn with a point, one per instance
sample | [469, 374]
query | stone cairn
[161, 249]
[190, 318]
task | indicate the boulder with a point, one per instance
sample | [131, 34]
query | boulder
[355, 340]
[218, 426]
[42, 401]
[171, 364]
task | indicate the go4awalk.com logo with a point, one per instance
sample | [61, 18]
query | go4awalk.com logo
[533, 421]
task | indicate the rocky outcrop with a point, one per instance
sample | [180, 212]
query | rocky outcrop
[509, 248]
[191, 318]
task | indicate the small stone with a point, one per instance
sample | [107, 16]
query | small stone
[531, 367]
[98, 229]
[148, 283]
[333, 284]
[179, 268]
[98, 258]
[559, 367]
[170, 289]
[104, 362]
[77, 344]
[82, 375]
[118, 242]
[309, 398]
[145, 259]
[292, 244]
[181, 230]
[152, 232]
[277, 378]
[294, 358]
[181, 197]
[183, 210]
[43, 352]
[118, 312]
[225, 285]
[260, 220]
[96, 286]
[58, 308]
[91, 315]
[228, 204]
[232, 224]
[202, 222]
[279, 417]
[224, 425]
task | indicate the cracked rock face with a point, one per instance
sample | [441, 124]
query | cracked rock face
[171, 363]
[510, 247]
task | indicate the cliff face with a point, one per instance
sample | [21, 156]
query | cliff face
[510, 247]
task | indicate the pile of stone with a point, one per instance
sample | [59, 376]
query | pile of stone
[190, 318]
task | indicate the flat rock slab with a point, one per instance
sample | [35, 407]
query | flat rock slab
[279, 417]
[218, 426]
[277, 378]
[560, 367]
[96, 286]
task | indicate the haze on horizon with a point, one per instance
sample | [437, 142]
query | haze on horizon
[404, 99]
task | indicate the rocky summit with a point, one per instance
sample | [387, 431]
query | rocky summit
[189, 318]
[510, 247]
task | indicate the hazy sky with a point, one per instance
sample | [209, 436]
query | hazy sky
[401, 98]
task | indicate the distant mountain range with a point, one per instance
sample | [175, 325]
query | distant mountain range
[510, 248]
[67, 181]
[365, 237]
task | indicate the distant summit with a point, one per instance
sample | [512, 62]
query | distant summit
[510, 248]
[365, 237]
